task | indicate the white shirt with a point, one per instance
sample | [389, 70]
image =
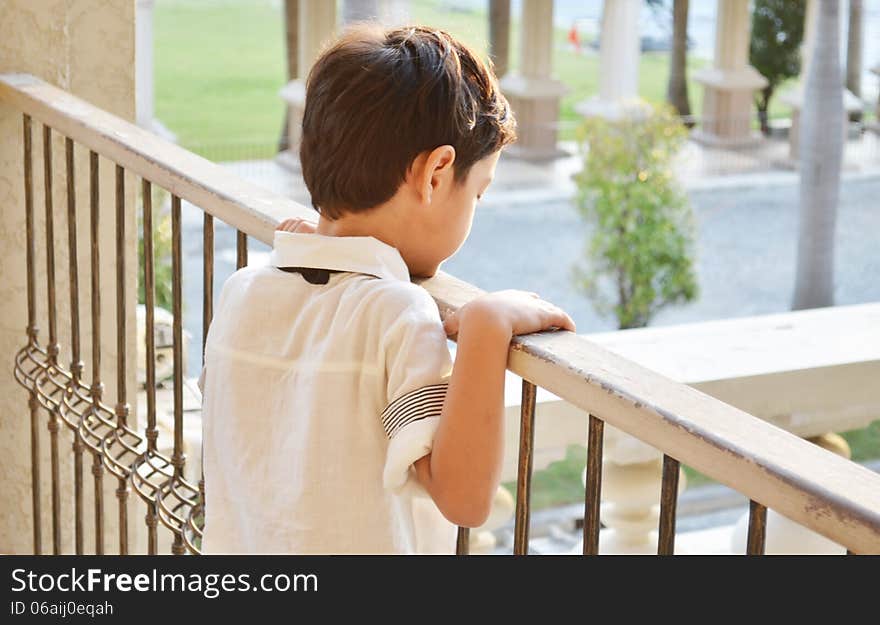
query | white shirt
[317, 400]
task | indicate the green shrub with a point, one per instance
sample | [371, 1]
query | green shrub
[639, 257]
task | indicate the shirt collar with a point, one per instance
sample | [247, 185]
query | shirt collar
[361, 254]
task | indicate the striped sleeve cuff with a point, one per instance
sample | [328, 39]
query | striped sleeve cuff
[410, 423]
[416, 405]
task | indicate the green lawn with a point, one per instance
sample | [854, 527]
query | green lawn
[220, 65]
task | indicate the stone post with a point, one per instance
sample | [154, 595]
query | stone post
[730, 83]
[619, 50]
[533, 93]
[144, 63]
[359, 10]
[876, 126]
[317, 26]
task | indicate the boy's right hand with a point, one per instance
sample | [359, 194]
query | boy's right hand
[519, 312]
[295, 224]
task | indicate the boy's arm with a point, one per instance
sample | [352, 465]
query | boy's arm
[463, 470]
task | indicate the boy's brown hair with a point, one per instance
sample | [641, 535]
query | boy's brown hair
[376, 99]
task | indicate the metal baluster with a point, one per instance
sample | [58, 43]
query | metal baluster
[207, 315]
[524, 468]
[178, 459]
[593, 494]
[757, 529]
[97, 389]
[150, 303]
[76, 364]
[122, 407]
[52, 348]
[668, 502]
[32, 331]
[241, 249]
[462, 542]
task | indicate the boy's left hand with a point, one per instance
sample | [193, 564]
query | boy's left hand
[297, 225]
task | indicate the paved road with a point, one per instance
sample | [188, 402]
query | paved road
[746, 245]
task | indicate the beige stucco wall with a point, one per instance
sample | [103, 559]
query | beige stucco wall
[88, 48]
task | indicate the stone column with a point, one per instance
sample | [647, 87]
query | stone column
[876, 125]
[499, 35]
[533, 93]
[394, 12]
[143, 55]
[730, 84]
[144, 75]
[87, 48]
[619, 50]
[359, 10]
[795, 97]
[317, 26]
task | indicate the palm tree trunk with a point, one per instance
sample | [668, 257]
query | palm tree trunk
[854, 52]
[291, 45]
[821, 152]
[499, 35]
[677, 92]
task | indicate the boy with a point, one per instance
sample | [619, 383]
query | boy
[334, 420]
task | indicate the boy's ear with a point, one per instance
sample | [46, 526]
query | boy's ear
[436, 167]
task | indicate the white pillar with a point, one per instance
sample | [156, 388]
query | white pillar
[144, 75]
[532, 91]
[143, 54]
[876, 124]
[359, 11]
[619, 51]
[317, 26]
[795, 97]
[394, 12]
[730, 83]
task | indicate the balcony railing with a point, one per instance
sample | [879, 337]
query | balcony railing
[774, 469]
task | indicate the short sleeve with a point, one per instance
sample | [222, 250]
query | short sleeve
[418, 367]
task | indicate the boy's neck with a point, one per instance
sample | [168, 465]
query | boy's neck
[372, 224]
[384, 224]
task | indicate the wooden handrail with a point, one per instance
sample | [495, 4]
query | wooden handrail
[802, 481]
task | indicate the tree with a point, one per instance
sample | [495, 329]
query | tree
[854, 53]
[777, 32]
[677, 89]
[641, 246]
[821, 153]
[499, 35]
[291, 44]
